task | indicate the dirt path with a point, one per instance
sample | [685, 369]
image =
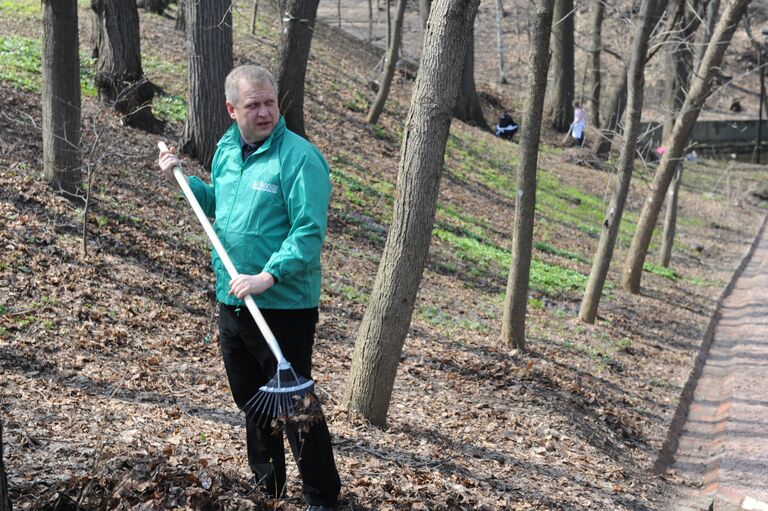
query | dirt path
[723, 449]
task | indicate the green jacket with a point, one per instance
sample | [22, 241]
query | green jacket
[270, 214]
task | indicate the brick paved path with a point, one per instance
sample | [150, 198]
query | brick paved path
[724, 443]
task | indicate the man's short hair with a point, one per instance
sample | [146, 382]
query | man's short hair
[251, 73]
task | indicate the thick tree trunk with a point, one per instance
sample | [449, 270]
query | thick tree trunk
[293, 54]
[563, 78]
[61, 96]
[594, 63]
[500, 39]
[209, 52]
[119, 78]
[614, 112]
[610, 229]
[389, 67]
[379, 341]
[670, 218]
[681, 134]
[516, 300]
[468, 107]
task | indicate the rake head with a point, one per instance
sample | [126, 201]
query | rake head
[280, 397]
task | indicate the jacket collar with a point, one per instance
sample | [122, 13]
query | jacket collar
[232, 137]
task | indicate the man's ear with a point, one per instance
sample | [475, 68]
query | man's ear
[231, 110]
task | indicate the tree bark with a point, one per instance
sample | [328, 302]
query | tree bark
[293, 54]
[500, 39]
[119, 77]
[5, 498]
[379, 341]
[468, 107]
[670, 218]
[610, 228]
[61, 96]
[389, 67]
[615, 111]
[516, 299]
[181, 20]
[424, 6]
[681, 134]
[563, 78]
[209, 53]
[594, 63]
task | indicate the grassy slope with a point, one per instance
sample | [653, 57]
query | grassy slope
[470, 420]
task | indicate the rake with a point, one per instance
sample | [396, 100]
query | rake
[279, 397]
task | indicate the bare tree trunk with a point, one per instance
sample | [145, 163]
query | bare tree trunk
[255, 16]
[681, 134]
[468, 107]
[293, 54]
[61, 96]
[610, 228]
[5, 499]
[370, 21]
[181, 20]
[424, 6]
[713, 10]
[594, 60]
[670, 218]
[209, 52]
[500, 39]
[563, 79]
[380, 339]
[516, 299]
[338, 13]
[389, 68]
[120, 79]
[615, 111]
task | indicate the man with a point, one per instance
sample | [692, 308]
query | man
[269, 197]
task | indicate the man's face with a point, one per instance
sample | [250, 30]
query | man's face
[256, 111]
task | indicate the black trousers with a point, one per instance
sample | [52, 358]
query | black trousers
[250, 364]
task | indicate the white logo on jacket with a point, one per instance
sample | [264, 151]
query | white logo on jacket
[264, 187]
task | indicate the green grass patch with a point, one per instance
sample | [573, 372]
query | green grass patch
[657, 269]
[552, 280]
[21, 60]
[20, 9]
[549, 249]
[169, 107]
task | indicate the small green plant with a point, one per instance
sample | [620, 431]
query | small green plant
[102, 220]
[357, 103]
[624, 344]
[3, 309]
[662, 271]
[549, 249]
[169, 107]
[16, 9]
[535, 304]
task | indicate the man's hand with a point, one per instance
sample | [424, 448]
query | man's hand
[251, 284]
[167, 162]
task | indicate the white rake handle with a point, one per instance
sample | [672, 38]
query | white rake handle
[282, 363]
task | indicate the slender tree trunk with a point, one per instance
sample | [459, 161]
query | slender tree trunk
[209, 52]
[516, 299]
[713, 11]
[424, 6]
[594, 61]
[293, 54]
[61, 96]
[610, 229]
[389, 68]
[119, 78]
[670, 218]
[500, 39]
[681, 134]
[181, 20]
[563, 79]
[370, 21]
[380, 339]
[468, 107]
[5, 498]
[255, 16]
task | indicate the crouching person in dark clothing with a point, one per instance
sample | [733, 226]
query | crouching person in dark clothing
[269, 194]
[506, 128]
